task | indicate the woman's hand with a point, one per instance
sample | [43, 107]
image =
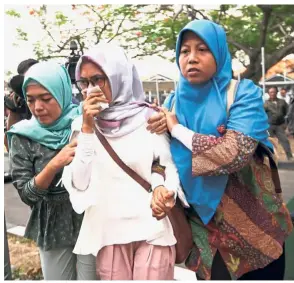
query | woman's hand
[162, 202]
[91, 108]
[157, 123]
[64, 157]
[171, 119]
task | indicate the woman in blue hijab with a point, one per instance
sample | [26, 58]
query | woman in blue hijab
[38, 151]
[238, 221]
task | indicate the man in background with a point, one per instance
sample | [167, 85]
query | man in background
[290, 118]
[283, 94]
[277, 110]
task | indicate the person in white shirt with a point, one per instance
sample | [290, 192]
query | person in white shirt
[283, 94]
[118, 226]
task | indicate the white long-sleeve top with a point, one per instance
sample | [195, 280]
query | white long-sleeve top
[117, 208]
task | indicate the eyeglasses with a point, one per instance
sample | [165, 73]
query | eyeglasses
[96, 80]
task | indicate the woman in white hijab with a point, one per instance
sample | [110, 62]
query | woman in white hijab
[118, 226]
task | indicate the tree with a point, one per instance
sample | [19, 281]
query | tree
[248, 29]
[103, 22]
[152, 29]
[268, 26]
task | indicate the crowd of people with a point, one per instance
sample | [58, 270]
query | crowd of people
[207, 149]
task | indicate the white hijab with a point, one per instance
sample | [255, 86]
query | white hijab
[128, 100]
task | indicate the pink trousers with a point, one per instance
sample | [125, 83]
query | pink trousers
[136, 261]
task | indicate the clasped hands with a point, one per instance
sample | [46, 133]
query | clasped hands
[162, 202]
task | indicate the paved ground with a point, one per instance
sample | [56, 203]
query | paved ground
[287, 181]
[16, 212]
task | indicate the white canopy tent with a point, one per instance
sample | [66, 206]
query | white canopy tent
[278, 80]
[158, 85]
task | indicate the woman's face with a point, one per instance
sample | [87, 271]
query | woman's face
[42, 104]
[196, 62]
[90, 71]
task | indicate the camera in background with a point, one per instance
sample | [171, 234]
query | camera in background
[71, 67]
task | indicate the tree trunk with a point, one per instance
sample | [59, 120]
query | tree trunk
[254, 69]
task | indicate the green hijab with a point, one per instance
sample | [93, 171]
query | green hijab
[56, 80]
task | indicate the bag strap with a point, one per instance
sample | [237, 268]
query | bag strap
[172, 107]
[231, 93]
[273, 165]
[146, 185]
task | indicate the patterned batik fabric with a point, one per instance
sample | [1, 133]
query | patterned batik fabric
[213, 156]
[251, 222]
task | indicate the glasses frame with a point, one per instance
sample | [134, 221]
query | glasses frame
[91, 81]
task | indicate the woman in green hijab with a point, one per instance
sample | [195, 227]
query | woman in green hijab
[39, 150]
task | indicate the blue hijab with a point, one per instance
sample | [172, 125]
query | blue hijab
[56, 80]
[202, 108]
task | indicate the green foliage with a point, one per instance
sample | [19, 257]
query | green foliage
[38, 50]
[60, 19]
[12, 13]
[246, 27]
[8, 73]
[32, 274]
[153, 29]
[21, 34]
[163, 32]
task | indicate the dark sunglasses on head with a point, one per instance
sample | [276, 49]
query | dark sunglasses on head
[97, 80]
